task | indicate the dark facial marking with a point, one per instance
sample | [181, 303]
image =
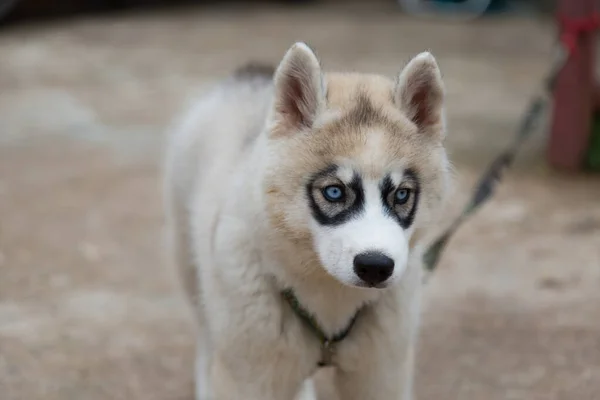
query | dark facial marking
[328, 213]
[363, 113]
[403, 213]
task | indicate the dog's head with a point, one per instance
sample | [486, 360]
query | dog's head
[356, 163]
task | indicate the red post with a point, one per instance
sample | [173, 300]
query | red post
[573, 95]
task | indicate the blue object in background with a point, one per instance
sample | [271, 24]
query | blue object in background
[448, 5]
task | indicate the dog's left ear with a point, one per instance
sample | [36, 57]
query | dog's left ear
[299, 93]
[419, 92]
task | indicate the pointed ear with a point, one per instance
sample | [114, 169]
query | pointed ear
[420, 94]
[299, 93]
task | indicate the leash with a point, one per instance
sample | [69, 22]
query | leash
[571, 31]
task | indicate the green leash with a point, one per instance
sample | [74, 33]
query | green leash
[488, 182]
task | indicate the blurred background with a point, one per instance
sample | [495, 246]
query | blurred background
[88, 309]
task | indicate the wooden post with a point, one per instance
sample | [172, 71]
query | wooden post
[573, 96]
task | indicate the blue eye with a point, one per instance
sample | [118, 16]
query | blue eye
[333, 193]
[402, 196]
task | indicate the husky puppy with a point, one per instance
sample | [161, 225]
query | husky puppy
[295, 201]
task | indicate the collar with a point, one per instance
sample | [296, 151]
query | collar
[327, 342]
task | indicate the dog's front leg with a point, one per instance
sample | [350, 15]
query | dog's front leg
[377, 379]
[378, 361]
[273, 378]
[259, 352]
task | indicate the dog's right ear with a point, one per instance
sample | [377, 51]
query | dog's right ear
[299, 93]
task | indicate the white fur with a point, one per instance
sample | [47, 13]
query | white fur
[373, 230]
[250, 345]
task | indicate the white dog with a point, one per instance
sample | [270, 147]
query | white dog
[296, 200]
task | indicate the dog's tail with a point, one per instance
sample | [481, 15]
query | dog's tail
[254, 70]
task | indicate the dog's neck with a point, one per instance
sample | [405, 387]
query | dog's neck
[333, 306]
[332, 303]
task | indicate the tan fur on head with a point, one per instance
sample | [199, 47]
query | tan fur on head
[372, 124]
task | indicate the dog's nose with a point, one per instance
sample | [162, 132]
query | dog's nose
[373, 267]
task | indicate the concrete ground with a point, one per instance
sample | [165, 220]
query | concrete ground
[88, 309]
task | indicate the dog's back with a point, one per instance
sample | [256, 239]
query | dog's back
[210, 142]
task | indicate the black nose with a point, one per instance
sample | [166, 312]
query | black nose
[373, 267]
